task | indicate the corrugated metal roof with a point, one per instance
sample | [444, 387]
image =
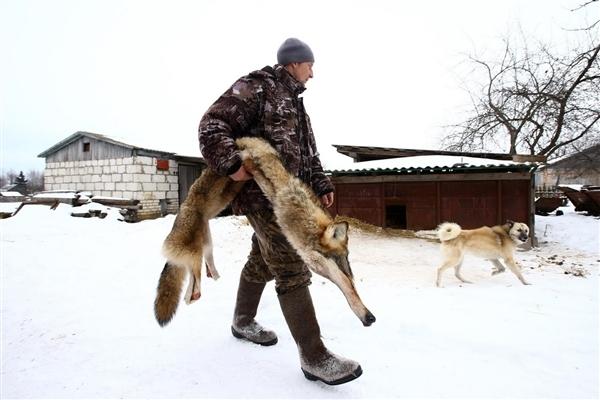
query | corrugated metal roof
[454, 169]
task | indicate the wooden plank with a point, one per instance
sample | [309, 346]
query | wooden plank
[115, 202]
[367, 153]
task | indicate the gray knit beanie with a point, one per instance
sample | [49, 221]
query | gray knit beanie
[294, 50]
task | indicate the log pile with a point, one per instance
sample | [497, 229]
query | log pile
[128, 208]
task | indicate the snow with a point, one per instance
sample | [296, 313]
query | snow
[11, 194]
[77, 317]
[572, 186]
[9, 207]
[91, 206]
[418, 162]
[56, 195]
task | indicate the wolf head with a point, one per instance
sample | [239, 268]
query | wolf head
[518, 231]
[330, 259]
[334, 243]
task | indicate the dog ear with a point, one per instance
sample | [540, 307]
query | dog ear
[510, 223]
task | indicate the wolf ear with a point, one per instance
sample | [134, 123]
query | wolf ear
[341, 230]
[336, 232]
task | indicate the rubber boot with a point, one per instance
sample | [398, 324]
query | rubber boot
[316, 362]
[244, 326]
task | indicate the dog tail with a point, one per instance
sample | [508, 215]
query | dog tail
[168, 293]
[448, 231]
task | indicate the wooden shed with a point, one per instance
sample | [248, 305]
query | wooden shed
[99, 164]
[423, 193]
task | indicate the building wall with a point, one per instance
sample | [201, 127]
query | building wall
[567, 176]
[424, 202]
[579, 169]
[98, 150]
[135, 178]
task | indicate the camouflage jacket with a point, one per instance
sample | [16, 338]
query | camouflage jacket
[263, 104]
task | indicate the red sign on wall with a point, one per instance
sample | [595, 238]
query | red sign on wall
[162, 165]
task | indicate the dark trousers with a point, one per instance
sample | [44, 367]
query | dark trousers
[272, 256]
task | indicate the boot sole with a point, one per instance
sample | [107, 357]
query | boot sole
[238, 335]
[357, 372]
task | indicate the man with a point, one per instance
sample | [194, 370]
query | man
[266, 104]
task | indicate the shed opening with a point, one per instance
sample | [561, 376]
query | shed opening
[395, 216]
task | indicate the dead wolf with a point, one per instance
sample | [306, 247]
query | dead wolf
[495, 243]
[319, 240]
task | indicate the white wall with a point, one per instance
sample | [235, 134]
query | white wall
[133, 178]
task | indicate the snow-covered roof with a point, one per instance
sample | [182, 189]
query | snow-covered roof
[427, 164]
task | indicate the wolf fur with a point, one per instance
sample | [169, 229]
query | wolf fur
[320, 241]
[189, 242]
[495, 243]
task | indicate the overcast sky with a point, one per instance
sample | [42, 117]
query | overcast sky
[387, 73]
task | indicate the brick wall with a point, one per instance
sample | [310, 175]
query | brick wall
[132, 178]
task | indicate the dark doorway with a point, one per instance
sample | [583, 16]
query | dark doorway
[187, 175]
[395, 216]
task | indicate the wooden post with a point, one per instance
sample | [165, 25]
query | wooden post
[534, 240]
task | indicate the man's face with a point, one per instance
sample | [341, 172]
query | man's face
[302, 72]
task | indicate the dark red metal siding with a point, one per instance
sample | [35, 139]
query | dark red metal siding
[473, 203]
[419, 199]
[470, 203]
[363, 201]
[515, 200]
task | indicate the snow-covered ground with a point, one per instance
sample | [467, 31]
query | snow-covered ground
[77, 317]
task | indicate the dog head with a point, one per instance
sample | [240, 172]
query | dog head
[518, 231]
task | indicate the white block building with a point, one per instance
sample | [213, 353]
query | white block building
[105, 167]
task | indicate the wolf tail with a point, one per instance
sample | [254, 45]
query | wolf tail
[448, 231]
[168, 292]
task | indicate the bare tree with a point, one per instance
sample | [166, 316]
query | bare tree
[33, 181]
[532, 102]
[584, 5]
[9, 177]
[36, 181]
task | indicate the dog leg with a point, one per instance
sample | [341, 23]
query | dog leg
[515, 269]
[498, 267]
[445, 266]
[457, 273]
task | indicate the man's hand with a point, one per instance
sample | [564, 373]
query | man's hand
[327, 199]
[241, 175]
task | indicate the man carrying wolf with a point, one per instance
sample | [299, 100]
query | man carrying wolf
[266, 104]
